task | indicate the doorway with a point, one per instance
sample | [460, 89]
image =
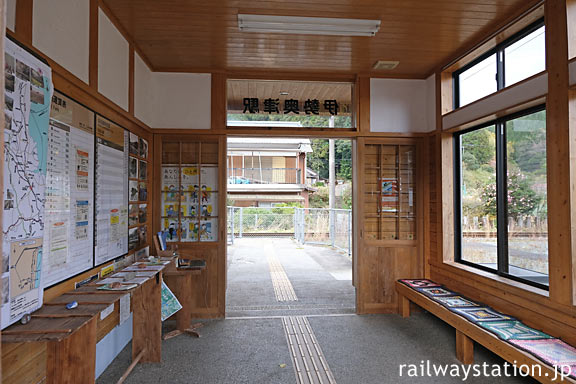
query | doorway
[289, 232]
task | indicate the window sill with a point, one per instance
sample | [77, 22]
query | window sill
[494, 279]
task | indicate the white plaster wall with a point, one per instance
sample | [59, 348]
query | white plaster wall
[398, 106]
[143, 91]
[183, 100]
[573, 73]
[11, 14]
[61, 31]
[113, 62]
[509, 97]
[172, 100]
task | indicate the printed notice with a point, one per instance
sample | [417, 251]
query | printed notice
[111, 190]
[70, 191]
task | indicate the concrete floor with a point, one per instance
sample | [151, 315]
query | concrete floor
[250, 345]
[321, 277]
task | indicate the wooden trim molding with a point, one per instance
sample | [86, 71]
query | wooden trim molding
[218, 102]
[362, 89]
[24, 19]
[93, 49]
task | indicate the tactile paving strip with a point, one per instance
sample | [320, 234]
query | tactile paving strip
[283, 288]
[309, 362]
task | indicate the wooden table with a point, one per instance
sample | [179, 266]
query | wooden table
[71, 335]
[180, 282]
[70, 343]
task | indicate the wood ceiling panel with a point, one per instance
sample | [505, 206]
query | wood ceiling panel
[189, 35]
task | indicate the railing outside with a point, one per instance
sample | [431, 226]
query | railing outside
[264, 176]
[324, 226]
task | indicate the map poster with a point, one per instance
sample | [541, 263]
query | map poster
[28, 91]
[69, 230]
[112, 190]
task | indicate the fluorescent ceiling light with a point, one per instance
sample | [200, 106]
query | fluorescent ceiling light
[307, 25]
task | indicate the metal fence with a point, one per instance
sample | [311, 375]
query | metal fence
[264, 176]
[331, 227]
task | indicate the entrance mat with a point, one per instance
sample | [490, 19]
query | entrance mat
[513, 330]
[419, 283]
[454, 301]
[436, 292]
[476, 314]
[551, 351]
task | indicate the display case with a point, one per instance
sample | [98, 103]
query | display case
[189, 191]
[389, 192]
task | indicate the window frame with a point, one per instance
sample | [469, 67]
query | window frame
[501, 194]
[500, 62]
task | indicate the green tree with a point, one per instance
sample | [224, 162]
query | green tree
[521, 201]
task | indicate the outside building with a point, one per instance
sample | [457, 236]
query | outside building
[263, 172]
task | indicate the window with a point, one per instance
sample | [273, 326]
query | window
[516, 59]
[501, 202]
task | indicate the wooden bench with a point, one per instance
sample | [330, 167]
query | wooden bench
[467, 333]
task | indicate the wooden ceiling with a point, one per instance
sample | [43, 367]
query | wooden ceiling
[193, 35]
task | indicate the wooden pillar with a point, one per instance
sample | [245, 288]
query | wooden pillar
[464, 348]
[218, 102]
[23, 30]
[559, 147]
[362, 90]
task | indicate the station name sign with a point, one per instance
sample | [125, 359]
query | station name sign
[309, 106]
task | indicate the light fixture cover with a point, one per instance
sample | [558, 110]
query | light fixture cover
[307, 25]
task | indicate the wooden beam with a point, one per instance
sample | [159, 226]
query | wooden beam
[571, 20]
[93, 46]
[218, 102]
[24, 18]
[559, 136]
[363, 104]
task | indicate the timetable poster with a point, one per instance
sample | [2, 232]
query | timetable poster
[69, 234]
[112, 143]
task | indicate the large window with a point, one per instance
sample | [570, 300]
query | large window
[501, 202]
[514, 60]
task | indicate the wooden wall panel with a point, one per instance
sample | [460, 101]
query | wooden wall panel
[380, 263]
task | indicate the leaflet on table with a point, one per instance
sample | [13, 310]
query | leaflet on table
[145, 268]
[136, 280]
[139, 273]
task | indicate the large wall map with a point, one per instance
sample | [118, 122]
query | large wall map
[28, 92]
